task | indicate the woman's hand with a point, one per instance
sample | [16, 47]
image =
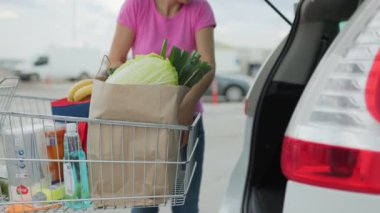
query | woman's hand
[185, 117]
[186, 113]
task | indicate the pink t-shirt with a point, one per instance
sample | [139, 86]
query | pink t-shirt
[151, 28]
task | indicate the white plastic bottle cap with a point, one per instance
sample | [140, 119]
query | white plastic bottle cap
[71, 127]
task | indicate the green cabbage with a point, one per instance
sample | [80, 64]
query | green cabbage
[145, 69]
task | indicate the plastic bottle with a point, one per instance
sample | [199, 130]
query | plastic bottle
[75, 173]
[54, 149]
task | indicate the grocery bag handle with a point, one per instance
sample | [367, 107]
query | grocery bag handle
[103, 71]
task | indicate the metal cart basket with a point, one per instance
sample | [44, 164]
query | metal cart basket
[33, 160]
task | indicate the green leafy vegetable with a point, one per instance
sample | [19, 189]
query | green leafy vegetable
[190, 68]
[164, 48]
[180, 68]
[145, 69]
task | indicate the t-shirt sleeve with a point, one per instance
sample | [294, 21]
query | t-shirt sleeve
[205, 16]
[128, 14]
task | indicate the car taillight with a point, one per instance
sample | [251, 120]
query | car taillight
[333, 139]
[331, 166]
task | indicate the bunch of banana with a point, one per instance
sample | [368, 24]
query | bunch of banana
[80, 91]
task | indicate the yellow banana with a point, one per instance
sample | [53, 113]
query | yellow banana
[76, 87]
[83, 92]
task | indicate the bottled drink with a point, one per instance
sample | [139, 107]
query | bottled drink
[75, 173]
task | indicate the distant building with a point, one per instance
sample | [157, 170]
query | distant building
[231, 59]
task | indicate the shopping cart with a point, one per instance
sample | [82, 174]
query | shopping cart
[31, 160]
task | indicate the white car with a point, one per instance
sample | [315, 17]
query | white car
[312, 140]
[61, 63]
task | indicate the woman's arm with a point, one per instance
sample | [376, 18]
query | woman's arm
[205, 46]
[122, 42]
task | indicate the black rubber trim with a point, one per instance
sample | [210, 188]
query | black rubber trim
[293, 32]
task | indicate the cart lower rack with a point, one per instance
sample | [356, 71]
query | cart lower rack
[114, 164]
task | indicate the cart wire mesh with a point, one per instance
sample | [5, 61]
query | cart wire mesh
[124, 164]
[8, 86]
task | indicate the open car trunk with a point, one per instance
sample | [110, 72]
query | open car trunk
[315, 27]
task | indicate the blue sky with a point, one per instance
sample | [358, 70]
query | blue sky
[28, 27]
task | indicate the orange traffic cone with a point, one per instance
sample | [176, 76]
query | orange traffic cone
[48, 81]
[214, 91]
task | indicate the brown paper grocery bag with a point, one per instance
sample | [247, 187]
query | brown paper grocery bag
[149, 179]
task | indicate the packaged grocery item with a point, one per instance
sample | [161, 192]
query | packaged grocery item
[4, 193]
[53, 193]
[26, 208]
[75, 173]
[27, 176]
[65, 107]
[54, 150]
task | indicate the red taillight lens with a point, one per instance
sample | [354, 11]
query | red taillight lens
[331, 166]
[372, 94]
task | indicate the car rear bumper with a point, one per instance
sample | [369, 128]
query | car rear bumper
[301, 198]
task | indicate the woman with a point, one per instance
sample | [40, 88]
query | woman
[188, 24]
